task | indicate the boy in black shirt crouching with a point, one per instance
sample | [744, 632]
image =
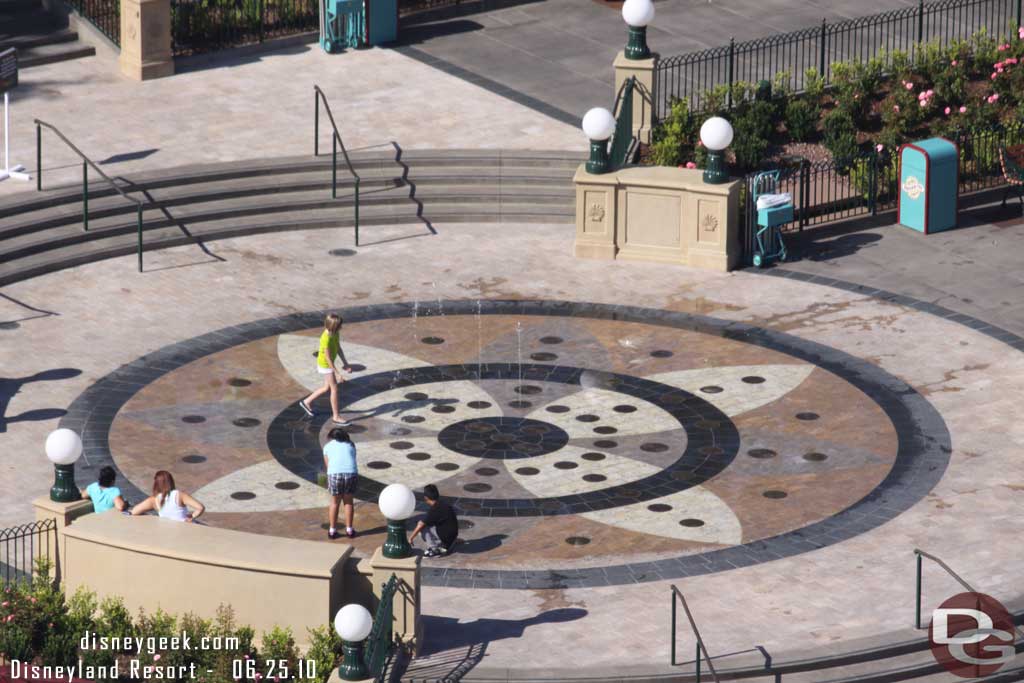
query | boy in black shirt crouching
[439, 527]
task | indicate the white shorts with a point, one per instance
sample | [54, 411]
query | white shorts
[324, 371]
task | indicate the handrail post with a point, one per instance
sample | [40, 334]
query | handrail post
[920, 21]
[918, 622]
[39, 158]
[85, 196]
[824, 38]
[140, 237]
[732, 66]
[334, 166]
[316, 123]
[698, 661]
[673, 649]
[357, 212]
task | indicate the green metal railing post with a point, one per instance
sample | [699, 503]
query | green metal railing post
[316, 123]
[334, 166]
[873, 188]
[39, 158]
[918, 622]
[140, 237]
[920, 21]
[357, 212]
[824, 47]
[698, 662]
[732, 66]
[85, 196]
[673, 648]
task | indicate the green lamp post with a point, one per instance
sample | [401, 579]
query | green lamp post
[637, 14]
[716, 135]
[353, 624]
[396, 503]
[598, 125]
[63, 448]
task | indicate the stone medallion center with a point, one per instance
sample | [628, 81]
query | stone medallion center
[503, 438]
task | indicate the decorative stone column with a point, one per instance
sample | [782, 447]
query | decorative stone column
[406, 606]
[63, 514]
[146, 39]
[643, 104]
[595, 214]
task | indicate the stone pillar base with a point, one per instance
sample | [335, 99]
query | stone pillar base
[64, 514]
[643, 104]
[146, 39]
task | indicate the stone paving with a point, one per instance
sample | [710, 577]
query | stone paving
[971, 379]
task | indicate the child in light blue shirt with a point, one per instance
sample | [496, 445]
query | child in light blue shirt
[103, 494]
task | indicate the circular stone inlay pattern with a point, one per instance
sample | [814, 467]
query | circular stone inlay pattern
[503, 438]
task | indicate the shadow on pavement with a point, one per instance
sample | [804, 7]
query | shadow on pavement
[9, 386]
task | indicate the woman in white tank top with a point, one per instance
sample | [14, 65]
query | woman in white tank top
[169, 502]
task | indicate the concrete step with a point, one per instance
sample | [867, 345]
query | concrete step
[25, 40]
[51, 53]
[122, 240]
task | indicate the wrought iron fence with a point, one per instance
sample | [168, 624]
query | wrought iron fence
[380, 644]
[206, 25]
[827, 192]
[103, 14]
[407, 7]
[624, 143]
[688, 77]
[21, 546]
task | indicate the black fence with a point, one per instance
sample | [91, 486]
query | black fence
[105, 15]
[688, 77]
[206, 25]
[827, 192]
[21, 546]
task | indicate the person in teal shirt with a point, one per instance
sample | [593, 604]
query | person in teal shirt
[342, 480]
[103, 494]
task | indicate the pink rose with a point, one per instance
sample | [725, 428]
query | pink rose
[947, 111]
[156, 658]
[32, 600]
[690, 164]
[4, 603]
[1020, 32]
[896, 108]
[1002, 48]
[1011, 60]
[923, 103]
[930, 93]
[995, 96]
[909, 86]
[700, 143]
[953, 63]
[879, 148]
[922, 96]
[963, 110]
[994, 76]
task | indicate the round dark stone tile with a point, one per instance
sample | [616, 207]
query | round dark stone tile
[443, 409]
[357, 367]
[588, 418]
[378, 465]
[594, 478]
[193, 419]
[761, 453]
[432, 340]
[712, 389]
[691, 522]
[815, 457]
[238, 382]
[593, 457]
[551, 340]
[479, 405]
[246, 422]
[416, 396]
[625, 408]
[446, 466]
[653, 447]
[659, 507]
[661, 353]
[521, 405]
[401, 445]
[544, 356]
[566, 465]
[605, 443]
[287, 485]
[342, 252]
[775, 495]
[807, 417]
[418, 456]
[557, 409]
[753, 379]
[486, 471]
[477, 487]
[527, 471]
[528, 389]
[577, 540]
[243, 495]
[413, 419]
[605, 430]
[196, 459]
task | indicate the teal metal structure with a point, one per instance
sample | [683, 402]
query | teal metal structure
[342, 24]
[770, 245]
[929, 184]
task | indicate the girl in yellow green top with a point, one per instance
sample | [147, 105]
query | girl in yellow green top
[330, 348]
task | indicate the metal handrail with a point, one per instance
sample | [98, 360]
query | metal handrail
[86, 164]
[622, 111]
[319, 95]
[700, 641]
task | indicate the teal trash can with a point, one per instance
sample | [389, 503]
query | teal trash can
[381, 21]
[929, 185]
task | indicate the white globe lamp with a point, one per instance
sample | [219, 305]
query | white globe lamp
[598, 126]
[637, 14]
[63, 448]
[353, 624]
[396, 503]
[716, 135]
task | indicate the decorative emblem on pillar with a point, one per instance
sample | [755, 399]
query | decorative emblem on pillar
[596, 212]
[709, 223]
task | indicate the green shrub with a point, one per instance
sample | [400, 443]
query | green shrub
[324, 650]
[814, 84]
[753, 125]
[279, 646]
[673, 139]
[16, 641]
[801, 118]
[841, 136]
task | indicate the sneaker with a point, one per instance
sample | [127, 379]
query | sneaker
[333, 534]
[350, 532]
[307, 409]
[432, 552]
[341, 422]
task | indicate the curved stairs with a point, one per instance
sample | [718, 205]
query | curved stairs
[41, 232]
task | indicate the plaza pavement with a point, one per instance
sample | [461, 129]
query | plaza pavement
[831, 598]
